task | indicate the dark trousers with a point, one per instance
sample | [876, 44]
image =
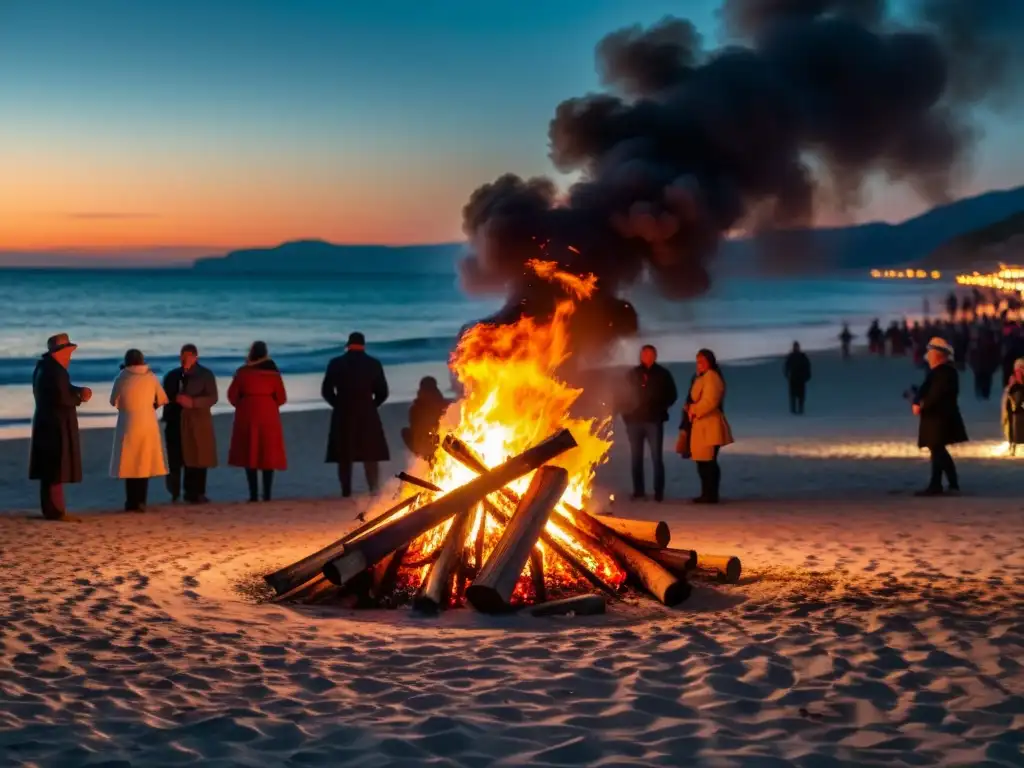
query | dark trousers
[252, 477]
[942, 464]
[51, 500]
[372, 469]
[654, 436]
[194, 485]
[797, 395]
[136, 490]
[710, 474]
[983, 384]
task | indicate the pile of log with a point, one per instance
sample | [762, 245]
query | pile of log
[364, 565]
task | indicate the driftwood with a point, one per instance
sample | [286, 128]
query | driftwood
[669, 589]
[639, 533]
[678, 561]
[377, 543]
[288, 579]
[507, 498]
[727, 568]
[580, 605]
[492, 589]
[436, 589]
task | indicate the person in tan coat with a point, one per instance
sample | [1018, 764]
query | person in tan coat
[709, 430]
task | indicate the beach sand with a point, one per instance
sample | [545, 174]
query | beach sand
[870, 627]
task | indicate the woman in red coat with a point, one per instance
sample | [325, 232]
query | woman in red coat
[257, 440]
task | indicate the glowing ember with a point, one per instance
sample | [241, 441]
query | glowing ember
[514, 399]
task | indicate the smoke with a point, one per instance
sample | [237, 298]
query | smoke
[806, 102]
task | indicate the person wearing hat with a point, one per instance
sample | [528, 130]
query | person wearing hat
[188, 426]
[425, 413]
[1013, 407]
[138, 452]
[55, 455]
[941, 424]
[355, 387]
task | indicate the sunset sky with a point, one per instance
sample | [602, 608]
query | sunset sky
[248, 122]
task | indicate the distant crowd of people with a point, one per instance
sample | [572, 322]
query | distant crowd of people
[354, 385]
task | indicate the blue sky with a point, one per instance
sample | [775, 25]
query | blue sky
[236, 122]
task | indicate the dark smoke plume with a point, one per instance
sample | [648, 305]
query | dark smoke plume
[808, 100]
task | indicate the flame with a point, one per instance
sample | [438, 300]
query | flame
[514, 399]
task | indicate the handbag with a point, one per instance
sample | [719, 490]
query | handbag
[683, 443]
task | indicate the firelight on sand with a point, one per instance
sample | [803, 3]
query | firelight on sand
[513, 399]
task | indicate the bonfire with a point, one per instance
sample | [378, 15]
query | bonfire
[498, 516]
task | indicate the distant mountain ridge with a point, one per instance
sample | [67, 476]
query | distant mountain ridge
[856, 248]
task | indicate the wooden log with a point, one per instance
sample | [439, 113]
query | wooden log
[435, 591]
[461, 452]
[580, 605]
[669, 589]
[377, 543]
[727, 568]
[385, 574]
[296, 575]
[678, 561]
[492, 589]
[540, 594]
[639, 533]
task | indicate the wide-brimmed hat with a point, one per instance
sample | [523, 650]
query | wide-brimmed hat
[356, 339]
[59, 341]
[939, 344]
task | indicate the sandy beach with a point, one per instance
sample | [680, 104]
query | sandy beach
[870, 627]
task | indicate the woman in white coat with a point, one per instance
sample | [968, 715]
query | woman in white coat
[138, 452]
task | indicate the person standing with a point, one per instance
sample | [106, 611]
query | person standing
[798, 373]
[1013, 408]
[425, 413]
[257, 438]
[941, 424]
[138, 452]
[188, 420]
[651, 392]
[55, 455]
[355, 387]
[845, 337]
[709, 430]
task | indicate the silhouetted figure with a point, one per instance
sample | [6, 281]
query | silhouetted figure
[941, 424]
[55, 455]
[188, 426]
[798, 372]
[355, 387]
[951, 306]
[1013, 408]
[425, 413]
[845, 338]
[257, 438]
[985, 362]
[876, 339]
[709, 430]
[138, 452]
[651, 391]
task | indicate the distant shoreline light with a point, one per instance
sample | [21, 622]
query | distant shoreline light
[905, 274]
[1008, 279]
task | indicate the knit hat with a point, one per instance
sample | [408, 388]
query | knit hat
[939, 344]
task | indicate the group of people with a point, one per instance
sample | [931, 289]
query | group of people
[354, 385]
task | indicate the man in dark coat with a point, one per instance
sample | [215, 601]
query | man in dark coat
[55, 456]
[941, 423]
[425, 414]
[188, 420]
[798, 373]
[650, 392]
[355, 387]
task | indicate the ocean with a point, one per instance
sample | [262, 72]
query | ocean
[410, 323]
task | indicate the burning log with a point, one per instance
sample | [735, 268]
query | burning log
[678, 561]
[370, 548]
[385, 574]
[298, 574]
[639, 533]
[655, 578]
[436, 589]
[580, 605]
[537, 575]
[491, 591]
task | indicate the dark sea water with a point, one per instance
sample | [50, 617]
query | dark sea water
[410, 323]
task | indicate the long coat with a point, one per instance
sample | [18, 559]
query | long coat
[257, 439]
[55, 455]
[650, 392]
[1013, 413]
[709, 428]
[355, 387]
[191, 440]
[941, 422]
[138, 446]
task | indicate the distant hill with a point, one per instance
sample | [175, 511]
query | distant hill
[880, 245]
[1001, 241]
[320, 257]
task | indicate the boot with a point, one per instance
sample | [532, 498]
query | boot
[705, 482]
